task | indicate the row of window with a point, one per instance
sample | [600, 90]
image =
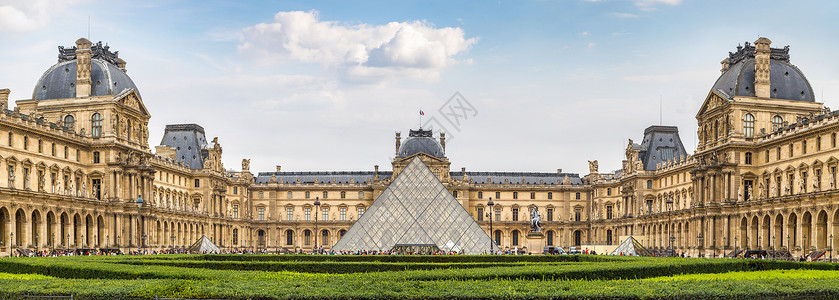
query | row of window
[307, 213]
[53, 151]
[549, 214]
[791, 149]
[577, 195]
[307, 194]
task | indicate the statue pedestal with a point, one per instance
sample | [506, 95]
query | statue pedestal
[535, 242]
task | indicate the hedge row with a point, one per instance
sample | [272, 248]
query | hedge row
[398, 258]
[330, 267]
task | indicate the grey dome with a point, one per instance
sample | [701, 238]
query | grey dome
[427, 145]
[786, 80]
[59, 81]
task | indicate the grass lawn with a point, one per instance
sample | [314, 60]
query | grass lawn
[416, 277]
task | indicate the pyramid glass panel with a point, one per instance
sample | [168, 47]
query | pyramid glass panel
[416, 209]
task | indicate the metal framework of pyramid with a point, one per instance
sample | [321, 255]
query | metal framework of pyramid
[416, 209]
[631, 247]
[204, 245]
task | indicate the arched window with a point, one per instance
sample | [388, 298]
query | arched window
[515, 236]
[307, 237]
[289, 237]
[498, 237]
[749, 125]
[578, 236]
[550, 235]
[608, 237]
[69, 121]
[777, 122]
[324, 237]
[96, 125]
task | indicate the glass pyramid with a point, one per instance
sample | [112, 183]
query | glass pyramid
[416, 209]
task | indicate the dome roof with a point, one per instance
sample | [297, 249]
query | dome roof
[421, 141]
[59, 82]
[786, 80]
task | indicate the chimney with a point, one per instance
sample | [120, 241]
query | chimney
[278, 168]
[725, 64]
[443, 141]
[398, 142]
[4, 98]
[762, 53]
[463, 169]
[559, 171]
[82, 68]
[121, 65]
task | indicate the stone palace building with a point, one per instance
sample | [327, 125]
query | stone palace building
[78, 172]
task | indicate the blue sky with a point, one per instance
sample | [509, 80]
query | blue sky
[323, 85]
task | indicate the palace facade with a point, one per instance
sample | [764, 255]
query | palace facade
[78, 172]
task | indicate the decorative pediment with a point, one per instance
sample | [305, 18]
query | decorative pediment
[131, 100]
[832, 160]
[54, 167]
[712, 101]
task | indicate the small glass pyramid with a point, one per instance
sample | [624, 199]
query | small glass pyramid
[416, 210]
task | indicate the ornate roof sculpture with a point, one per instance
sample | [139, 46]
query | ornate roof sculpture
[421, 141]
[107, 75]
[786, 80]
[416, 209]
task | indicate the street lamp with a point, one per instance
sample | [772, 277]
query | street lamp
[669, 203]
[317, 211]
[672, 253]
[139, 204]
[490, 204]
[699, 239]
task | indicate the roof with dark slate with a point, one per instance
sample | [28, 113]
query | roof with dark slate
[660, 144]
[366, 176]
[189, 143]
[786, 80]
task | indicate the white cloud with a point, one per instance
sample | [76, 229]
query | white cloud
[591, 45]
[359, 52]
[624, 15]
[649, 3]
[584, 33]
[20, 16]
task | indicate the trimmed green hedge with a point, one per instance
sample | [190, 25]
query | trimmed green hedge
[501, 277]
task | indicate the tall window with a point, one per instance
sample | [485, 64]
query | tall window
[748, 158]
[40, 146]
[289, 195]
[307, 237]
[577, 196]
[515, 195]
[515, 214]
[360, 212]
[497, 194]
[804, 147]
[454, 193]
[550, 214]
[360, 195]
[749, 125]
[69, 121]
[235, 211]
[235, 236]
[609, 212]
[609, 192]
[343, 195]
[66, 152]
[767, 155]
[578, 212]
[325, 213]
[818, 143]
[649, 184]
[480, 213]
[532, 195]
[289, 213]
[261, 194]
[550, 237]
[498, 237]
[52, 149]
[343, 213]
[25, 143]
[307, 213]
[325, 195]
[833, 140]
[480, 195]
[289, 237]
[790, 150]
[777, 122]
[260, 213]
[307, 194]
[498, 213]
[515, 237]
[96, 125]
[778, 154]
[550, 195]
[235, 190]
[197, 183]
